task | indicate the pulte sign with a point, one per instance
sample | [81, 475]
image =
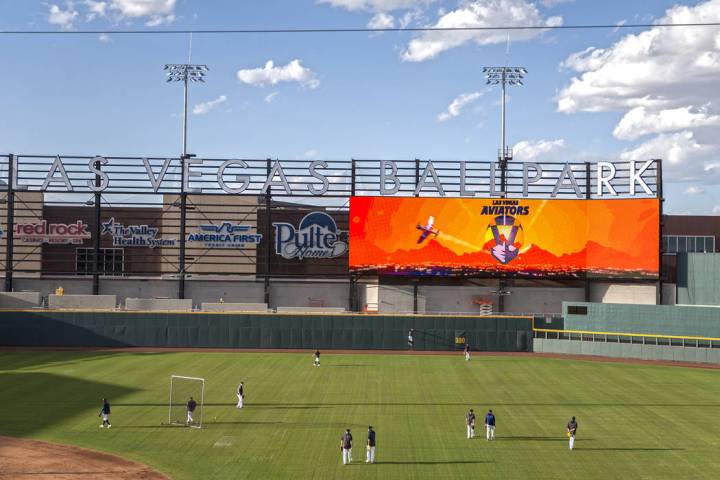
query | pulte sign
[319, 177]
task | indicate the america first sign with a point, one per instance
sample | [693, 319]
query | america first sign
[336, 178]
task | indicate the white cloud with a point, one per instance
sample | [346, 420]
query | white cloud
[62, 18]
[381, 20]
[479, 13]
[378, 5]
[664, 80]
[205, 107]
[639, 121]
[528, 150]
[694, 190]
[272, 75]
[271, 96]
[456, 106]
[104, 37]
[95, 9]
[659, 68]
[716, 210]
[156, 12]
[684, 157]
[311, 154]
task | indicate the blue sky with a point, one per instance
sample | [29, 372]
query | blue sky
[589, 94]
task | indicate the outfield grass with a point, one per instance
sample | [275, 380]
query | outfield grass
[636, 421]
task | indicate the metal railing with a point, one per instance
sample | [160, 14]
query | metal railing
[627, 338]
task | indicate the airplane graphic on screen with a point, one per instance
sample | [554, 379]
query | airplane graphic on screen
[427, 230]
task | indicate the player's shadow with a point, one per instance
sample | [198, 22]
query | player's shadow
[351, 365]
[435, 462]
[534, 439]
[631, 449]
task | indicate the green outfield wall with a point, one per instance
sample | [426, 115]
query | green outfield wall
[682, 321]
[698, 278]
[219, 330]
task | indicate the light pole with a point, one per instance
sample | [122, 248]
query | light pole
[504, 76]
[184, 73]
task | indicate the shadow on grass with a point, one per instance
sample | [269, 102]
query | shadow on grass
[536, 439]
[435, 462]
[629, 449]
[438, 404]
[41, 400]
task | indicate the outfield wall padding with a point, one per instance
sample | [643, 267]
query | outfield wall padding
[626, 350]
[682, 321]
[209, 330]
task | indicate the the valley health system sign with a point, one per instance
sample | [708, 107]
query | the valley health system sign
[135, 235]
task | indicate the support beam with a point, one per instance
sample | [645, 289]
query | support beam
[97, 270]
[10, 225]
[268, 235]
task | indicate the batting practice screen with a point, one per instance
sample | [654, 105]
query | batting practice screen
[529, 237]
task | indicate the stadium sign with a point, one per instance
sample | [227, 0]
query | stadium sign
[317, 178]
[317, 236]
[135, 235]
[225, 235]
[53, 233]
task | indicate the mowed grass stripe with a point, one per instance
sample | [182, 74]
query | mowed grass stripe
[636, 421]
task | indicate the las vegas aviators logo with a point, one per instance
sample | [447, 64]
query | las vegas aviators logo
[505, 235]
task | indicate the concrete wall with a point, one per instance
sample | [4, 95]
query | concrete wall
[399, 299]
[165, 304]
[295, 294]
[644, 294]
[234, 307]
[211, 291]
[20, 300]
[84, 302]
[461, 299]
[626, 350]
[540, 300]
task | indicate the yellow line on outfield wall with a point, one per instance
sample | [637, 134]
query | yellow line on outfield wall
[294, 314]
[653, 335]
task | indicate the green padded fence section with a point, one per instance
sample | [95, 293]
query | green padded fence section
[698, 278]
[91, 329]
[684, 321]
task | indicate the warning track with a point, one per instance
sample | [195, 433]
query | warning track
[25, 459]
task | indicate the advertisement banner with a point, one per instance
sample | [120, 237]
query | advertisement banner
[52, 233]
[225, 235]
[536, 238]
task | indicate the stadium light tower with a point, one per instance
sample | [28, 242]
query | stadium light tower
[504, 76]
[185, 73]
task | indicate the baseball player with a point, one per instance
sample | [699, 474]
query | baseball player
[411, 339]
[191, 406]
[240, 394]
[105, 414]
[316, 362]
[370, 446]
[470, 423]
[346, 447]
[490, 426]
[572, 427]
[467, 352]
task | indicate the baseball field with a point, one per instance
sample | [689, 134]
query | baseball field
[635, 420]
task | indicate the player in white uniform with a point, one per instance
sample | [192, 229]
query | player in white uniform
[316, 361]
[470, 423]
[241, 395]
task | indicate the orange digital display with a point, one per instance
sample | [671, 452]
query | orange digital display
[543, 238]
